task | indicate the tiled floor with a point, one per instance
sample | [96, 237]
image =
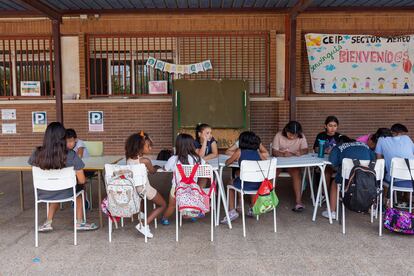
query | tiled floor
[300, 247]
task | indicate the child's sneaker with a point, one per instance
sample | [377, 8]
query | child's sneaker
[325, 214]
[250, 213]
[83, 226]
[46, 227]
[165, 221]
[233, 214]
[144, 230]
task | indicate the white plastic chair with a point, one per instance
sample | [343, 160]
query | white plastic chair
[140, 177]
[253, 171]
[55, 180]
[203, 171]
[347, 165]
[400, 171]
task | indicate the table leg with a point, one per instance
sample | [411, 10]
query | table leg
[322, 183]
[223, 197]
[21, 191]
[219, 196]
[100, 198]
[310, 179]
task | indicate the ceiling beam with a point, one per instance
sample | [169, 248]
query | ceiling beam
[42, 8]
[176, 11]
[299, 7]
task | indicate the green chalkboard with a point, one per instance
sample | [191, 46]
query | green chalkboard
[220, 103]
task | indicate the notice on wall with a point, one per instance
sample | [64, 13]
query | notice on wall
[158, 87]
[96, 121]
[341, 63]
[8, 114]
[30, 88]
[8, 128]
[39, 121]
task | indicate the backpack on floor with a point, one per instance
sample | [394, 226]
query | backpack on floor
[362, 189]
[123, 199]
[192, 201]
[397, 220]
[266, 198]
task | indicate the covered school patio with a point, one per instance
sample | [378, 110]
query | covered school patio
[85, 56]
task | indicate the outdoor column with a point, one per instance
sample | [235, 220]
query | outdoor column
[57, 69]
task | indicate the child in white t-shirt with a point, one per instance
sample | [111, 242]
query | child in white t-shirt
[73, 143]
[186, 155]
[136, 146]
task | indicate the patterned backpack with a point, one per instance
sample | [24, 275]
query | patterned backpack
[192, 201]
[123, 199]
[397, 220]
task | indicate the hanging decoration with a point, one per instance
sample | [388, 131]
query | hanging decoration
[178, 68]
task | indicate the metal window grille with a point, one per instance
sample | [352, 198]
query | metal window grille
[26, 59]
[116, 64]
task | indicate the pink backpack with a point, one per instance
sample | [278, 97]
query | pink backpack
[192, 201]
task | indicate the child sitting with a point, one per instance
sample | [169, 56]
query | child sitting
[76, 144]
[186, 155]
[136, 146]
[205, 144]
[345, 148]
[291, 142]
[372, 139]
[399, 145]
[249, 144]
[54, 155]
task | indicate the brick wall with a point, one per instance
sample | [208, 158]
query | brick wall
[356, 117]
[121, 118]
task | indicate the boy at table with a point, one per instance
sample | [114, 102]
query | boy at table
[345, 148]
[399, 145]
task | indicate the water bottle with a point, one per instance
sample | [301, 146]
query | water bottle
[321, 148]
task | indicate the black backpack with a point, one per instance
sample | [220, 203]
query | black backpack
[362, 188]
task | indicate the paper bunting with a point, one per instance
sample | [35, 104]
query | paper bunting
[207, 65]
[179, 68]
[160, 65]
[151, 61]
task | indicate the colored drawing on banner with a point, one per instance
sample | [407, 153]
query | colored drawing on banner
[96, 121]
[8, 114]
[8, 128]
[361, 63]
[30, 88]
[157, 87]
[39, 121]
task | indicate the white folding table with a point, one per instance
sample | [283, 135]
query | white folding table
[95, 163]
[305, 161]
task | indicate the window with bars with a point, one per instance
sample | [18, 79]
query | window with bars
[26, 59]
[116, 64]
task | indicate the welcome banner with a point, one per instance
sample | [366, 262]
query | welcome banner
[361, 63]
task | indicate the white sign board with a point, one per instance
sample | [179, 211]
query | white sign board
[8, 128]
[96, 121]
[39, 121]
[30, 88]
[8, 114]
